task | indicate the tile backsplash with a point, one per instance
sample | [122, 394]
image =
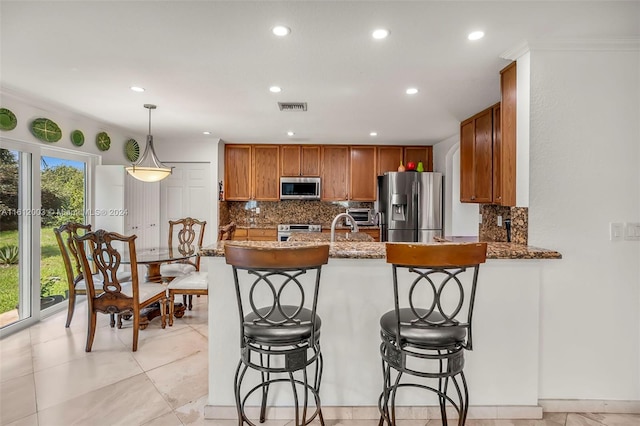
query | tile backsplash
[490, 231]
[244, 213]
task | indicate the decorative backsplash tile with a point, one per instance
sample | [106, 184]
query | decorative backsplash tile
[490, 231]
[272, 213]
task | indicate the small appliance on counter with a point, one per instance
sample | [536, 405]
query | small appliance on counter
[362, 216]
[410, 206]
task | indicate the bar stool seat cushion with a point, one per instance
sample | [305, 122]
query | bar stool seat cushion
[422, 335]
[280, 334]
[176, 269]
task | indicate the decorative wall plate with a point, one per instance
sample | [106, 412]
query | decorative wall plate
[8, 120]
[46, 130]
[132, 150]
[103, 141]
[77, 138]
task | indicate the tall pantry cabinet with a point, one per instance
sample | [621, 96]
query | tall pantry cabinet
[128, 206]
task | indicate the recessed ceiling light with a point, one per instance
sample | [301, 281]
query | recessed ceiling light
[412, 91]
[290, 133]
[373, 134]
[206, 133]
[137, 89]
[380, 33]
[275, 89]
[281, 30]
[476, 35]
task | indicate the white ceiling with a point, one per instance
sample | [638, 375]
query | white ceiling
[208, 65]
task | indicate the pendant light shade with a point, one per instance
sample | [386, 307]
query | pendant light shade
[148, 168]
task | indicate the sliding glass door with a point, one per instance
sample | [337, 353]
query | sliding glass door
[17, 217]
[40, 188]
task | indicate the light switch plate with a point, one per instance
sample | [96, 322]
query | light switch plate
[480, 219]
[616, 231]
[632, 231]
[500, 221]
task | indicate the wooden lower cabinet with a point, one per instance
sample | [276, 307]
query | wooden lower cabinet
[255, 234]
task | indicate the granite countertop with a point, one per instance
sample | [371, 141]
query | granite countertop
[375, 250]
[326, 237]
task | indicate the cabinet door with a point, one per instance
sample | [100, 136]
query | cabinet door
[497, 156]
[310, 160]
[508, 86]
[419, 153]
[335, 172]
[476, 158]
[262, 234]
[363, 182]
[237, 172]
[467, 178]
[290, 160]
[389, 158]
[483, 157]
[266, 172]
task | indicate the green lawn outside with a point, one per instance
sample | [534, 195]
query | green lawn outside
[51, 265]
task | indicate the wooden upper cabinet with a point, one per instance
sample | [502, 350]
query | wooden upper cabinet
[266, 172]
[497, 156]
[389, 158]
[252, 172]
[237, 172]
[362, 178]
[300, 160]
[476, 158]
[507, 151]
[334, 163]
[417, 154]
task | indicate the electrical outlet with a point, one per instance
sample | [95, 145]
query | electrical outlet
[500, 221]
[632, 231]
[480, 219]
[257, 210]
[615, 231]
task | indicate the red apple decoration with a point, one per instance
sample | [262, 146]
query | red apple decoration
[411, 165]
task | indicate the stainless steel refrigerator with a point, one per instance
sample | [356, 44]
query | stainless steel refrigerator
[410, 206]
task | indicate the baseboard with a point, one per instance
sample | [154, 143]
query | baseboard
[212, 412]
[589, 406]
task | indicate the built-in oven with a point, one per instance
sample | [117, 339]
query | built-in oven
[285, 230]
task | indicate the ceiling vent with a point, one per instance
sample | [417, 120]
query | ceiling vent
[292, 106]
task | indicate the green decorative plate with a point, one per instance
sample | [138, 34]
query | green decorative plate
[103, 141]
[77, 138]
[132, 150]
[46, 130]
[8, 120]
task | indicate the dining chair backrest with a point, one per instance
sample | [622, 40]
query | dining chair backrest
[190, 234]
[65, 237]
[107, 260]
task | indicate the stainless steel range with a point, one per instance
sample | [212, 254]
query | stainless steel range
[285, 230]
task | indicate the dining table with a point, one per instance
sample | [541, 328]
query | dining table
[152, 258]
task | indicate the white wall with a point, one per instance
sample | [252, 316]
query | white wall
[584, 173]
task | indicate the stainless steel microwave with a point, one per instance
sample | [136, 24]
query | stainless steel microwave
[299, 188]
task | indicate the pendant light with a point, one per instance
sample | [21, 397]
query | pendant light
[148, 168]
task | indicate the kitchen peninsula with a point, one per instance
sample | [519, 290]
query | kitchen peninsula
[502, 370]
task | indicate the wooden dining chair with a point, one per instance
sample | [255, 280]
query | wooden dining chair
[117, 297]
[73, 271]
[190, 234]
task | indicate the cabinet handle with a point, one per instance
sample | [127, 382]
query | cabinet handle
[473, 198]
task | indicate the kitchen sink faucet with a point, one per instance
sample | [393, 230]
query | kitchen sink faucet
[354, 225]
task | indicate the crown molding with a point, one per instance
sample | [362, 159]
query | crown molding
[594, 45]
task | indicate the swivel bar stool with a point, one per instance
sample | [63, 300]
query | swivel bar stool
[425, 335]
[277, 293]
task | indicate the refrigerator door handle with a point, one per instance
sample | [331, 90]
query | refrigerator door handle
[416, 202]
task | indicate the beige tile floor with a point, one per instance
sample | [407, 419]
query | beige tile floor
[47, 379]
